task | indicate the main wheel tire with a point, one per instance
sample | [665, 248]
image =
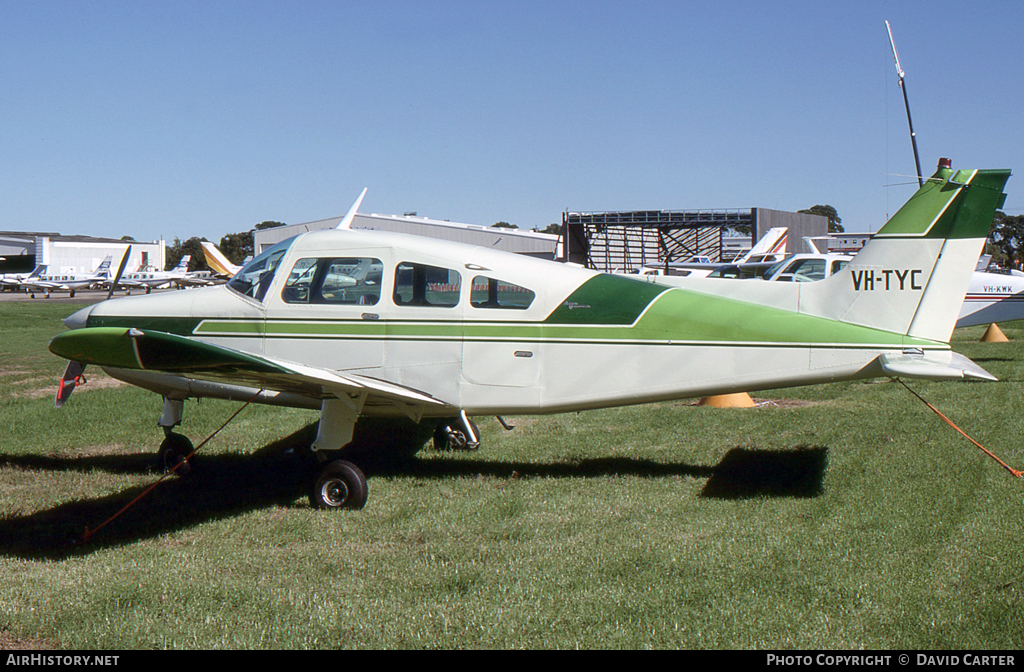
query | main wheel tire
[339, 485]
[173, 453]
[452, 436]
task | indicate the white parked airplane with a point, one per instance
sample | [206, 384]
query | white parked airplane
[993, 297]
[769, 249]
[15, 280]
[153, 279]
[446, 330]
[68, 282]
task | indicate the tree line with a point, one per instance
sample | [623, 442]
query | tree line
[237, 247]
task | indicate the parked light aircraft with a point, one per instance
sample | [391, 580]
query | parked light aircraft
[769, 249]
[993, 297]
[152, 279]
[15, 280]
[69, 282]
[443, 331]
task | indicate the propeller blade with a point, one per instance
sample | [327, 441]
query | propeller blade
[71, 378]
[120, 272]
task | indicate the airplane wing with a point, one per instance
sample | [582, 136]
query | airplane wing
[157, 351]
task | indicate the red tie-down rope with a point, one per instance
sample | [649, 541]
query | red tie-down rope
[89, 533]
[1015, 472]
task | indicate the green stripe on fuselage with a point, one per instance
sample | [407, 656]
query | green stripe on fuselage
[182, 326]
[606, 299]
[695, 317]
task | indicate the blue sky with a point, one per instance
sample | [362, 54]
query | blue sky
[174, 119]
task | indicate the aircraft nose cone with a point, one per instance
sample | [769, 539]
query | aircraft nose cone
[79, 319]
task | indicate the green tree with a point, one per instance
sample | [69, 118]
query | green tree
[834, 221]
[503, 225]
[1007, 234]
[238, 247]
[179, 249]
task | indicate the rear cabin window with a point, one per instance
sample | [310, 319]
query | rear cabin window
[492, 293]
[344, 280]
[422, 285]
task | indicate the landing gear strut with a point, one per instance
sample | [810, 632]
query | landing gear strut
[175, 448]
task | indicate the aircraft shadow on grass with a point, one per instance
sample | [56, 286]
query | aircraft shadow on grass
[226, 485]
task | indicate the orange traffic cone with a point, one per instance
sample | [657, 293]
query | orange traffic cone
[737, 400]
[994, 335]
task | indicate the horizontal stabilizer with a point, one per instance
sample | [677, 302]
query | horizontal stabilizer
[919, 365]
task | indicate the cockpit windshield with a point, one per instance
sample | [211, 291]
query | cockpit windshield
[255, 277]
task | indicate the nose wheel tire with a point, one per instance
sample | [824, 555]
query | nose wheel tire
[173, 453]
[338, 485]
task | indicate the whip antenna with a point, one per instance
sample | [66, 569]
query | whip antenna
[906, 102]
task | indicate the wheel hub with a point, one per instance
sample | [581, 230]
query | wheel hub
[334, 492]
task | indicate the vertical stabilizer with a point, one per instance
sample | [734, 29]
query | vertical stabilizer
[216, 260]
[911, 277]
[773, 242]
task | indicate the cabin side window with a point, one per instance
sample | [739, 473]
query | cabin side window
[492, 293]
[337, 280]
[422, 285]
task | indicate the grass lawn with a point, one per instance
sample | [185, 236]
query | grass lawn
[836, 516]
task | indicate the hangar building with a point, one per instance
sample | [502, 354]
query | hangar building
[610, 241]
[24, 250]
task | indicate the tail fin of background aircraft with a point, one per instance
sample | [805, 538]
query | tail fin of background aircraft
[911, 277]
[216, 260]
[773, 242]
[103, 270]
[183, 264]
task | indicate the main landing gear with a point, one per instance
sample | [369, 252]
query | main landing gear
[336, 483]
[459, 433]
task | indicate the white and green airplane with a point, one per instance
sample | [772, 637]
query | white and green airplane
[424, 333]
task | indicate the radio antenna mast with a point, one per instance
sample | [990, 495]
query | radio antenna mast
[906, 102]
